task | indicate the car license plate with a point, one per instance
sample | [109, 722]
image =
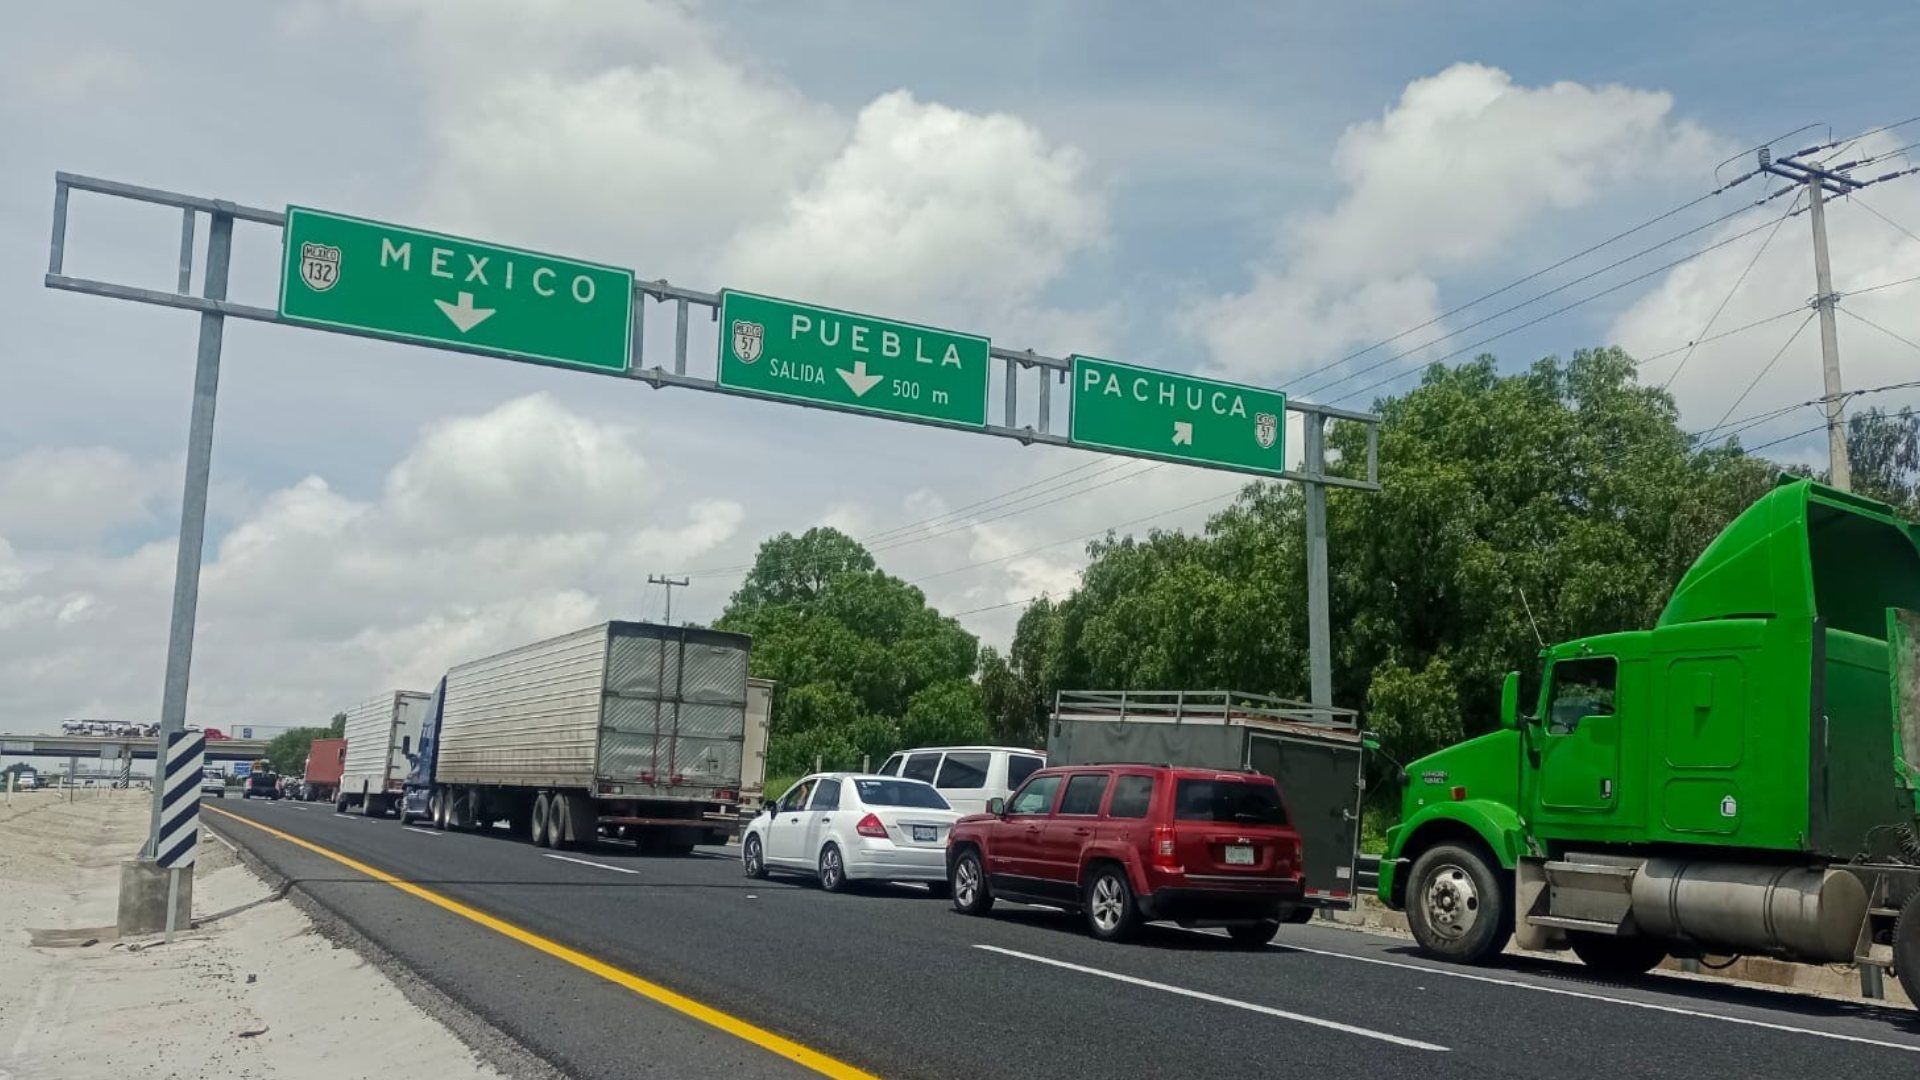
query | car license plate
[925, 834]
[1239, 855]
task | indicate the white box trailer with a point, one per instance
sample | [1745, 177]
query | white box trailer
[381, 733]
[753, 755]
[623, 729]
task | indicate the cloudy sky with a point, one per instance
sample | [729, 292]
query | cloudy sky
[1255, 193]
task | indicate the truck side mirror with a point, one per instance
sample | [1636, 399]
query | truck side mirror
[997, 806]
[1510, 702]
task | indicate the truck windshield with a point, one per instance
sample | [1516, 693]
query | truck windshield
[1229, 800]
[900, 793]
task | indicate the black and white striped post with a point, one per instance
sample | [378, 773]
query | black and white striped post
[179, 831]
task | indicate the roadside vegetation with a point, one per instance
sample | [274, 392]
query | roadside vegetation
[1553, 503]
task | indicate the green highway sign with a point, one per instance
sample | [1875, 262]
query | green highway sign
[805, 353]
[1178, 417]
[342, 272]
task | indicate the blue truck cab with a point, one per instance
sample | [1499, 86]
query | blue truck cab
[414, 804]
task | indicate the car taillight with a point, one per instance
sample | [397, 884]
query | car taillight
[870, 826]
[1163, 848]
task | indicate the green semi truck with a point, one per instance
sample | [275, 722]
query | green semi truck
[1738, 780]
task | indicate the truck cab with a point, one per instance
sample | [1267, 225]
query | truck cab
[1751, 740]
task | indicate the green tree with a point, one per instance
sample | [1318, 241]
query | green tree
[862, 665]
[1883, 449]
[1556, 502]
[288, 750]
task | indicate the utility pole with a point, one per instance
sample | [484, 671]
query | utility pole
[670, 583]
[1839, 468]
[1823, 180]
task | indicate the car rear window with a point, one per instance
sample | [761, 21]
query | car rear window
[1021, 766]
[1083, 794]
[1131, 796]
[964, 771]
[921, 767]
[1228, 800]
[900, 793]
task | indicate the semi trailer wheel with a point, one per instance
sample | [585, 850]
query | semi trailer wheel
[1619, 956]
[1906, 947]
[1457, 905]
[542, 823]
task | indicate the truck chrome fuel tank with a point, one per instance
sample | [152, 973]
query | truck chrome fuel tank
[1795, 913]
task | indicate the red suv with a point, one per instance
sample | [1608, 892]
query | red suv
[1126, 844]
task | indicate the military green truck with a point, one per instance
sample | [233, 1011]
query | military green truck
[1738, 780]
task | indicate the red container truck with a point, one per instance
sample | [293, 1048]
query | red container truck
[325, 760]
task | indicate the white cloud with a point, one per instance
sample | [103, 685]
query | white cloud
[1866, 252]
[627, 132]
[66, 497]
[492, 530]
[929, 207]
[1445, 179]
[83, 73]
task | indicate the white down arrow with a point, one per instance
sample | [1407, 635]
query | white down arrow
[858, 380]
[463, 314]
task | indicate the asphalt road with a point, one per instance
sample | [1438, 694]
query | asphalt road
[898, 984]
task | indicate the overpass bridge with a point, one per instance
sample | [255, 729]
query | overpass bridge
[118, 746]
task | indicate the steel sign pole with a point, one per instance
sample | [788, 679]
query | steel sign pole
[1319, 647]
[193, 506]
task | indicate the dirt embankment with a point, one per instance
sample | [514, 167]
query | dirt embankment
[253, 991]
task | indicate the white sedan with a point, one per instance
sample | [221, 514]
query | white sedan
[842, 827]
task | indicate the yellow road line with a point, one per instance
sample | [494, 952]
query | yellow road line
[652, 991]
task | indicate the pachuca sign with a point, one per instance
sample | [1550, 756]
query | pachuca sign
[1179, 417]
[394, 281]
[806, 353]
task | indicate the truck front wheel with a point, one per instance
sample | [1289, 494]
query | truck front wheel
[1619, 956]
[1906, 947]
[1457, 906]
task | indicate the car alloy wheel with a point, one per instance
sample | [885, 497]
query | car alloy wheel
[754, 858]
[1108, 904]
[833, 872]
[966, 883]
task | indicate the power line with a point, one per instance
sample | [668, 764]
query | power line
[1882, 329]
[1861, 203]
[1762, 373]
[1530, 277]
[1009, 508]
[995, 607]
[1071, 539]
[1562, 287]
[1644, 361]
[1737, 282]
[1096, 465]
[1882, 285]
[1636, 279]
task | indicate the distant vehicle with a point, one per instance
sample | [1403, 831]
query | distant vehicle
[1128, 844]
[846, 827]
[261, 784]
[624, 729]
[381, 733]
[753, 748]
[213, 783]
[967, 776]
[326, 759]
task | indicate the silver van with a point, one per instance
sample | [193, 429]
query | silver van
[968, 775]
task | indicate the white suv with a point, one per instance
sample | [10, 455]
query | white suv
[968, 775]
